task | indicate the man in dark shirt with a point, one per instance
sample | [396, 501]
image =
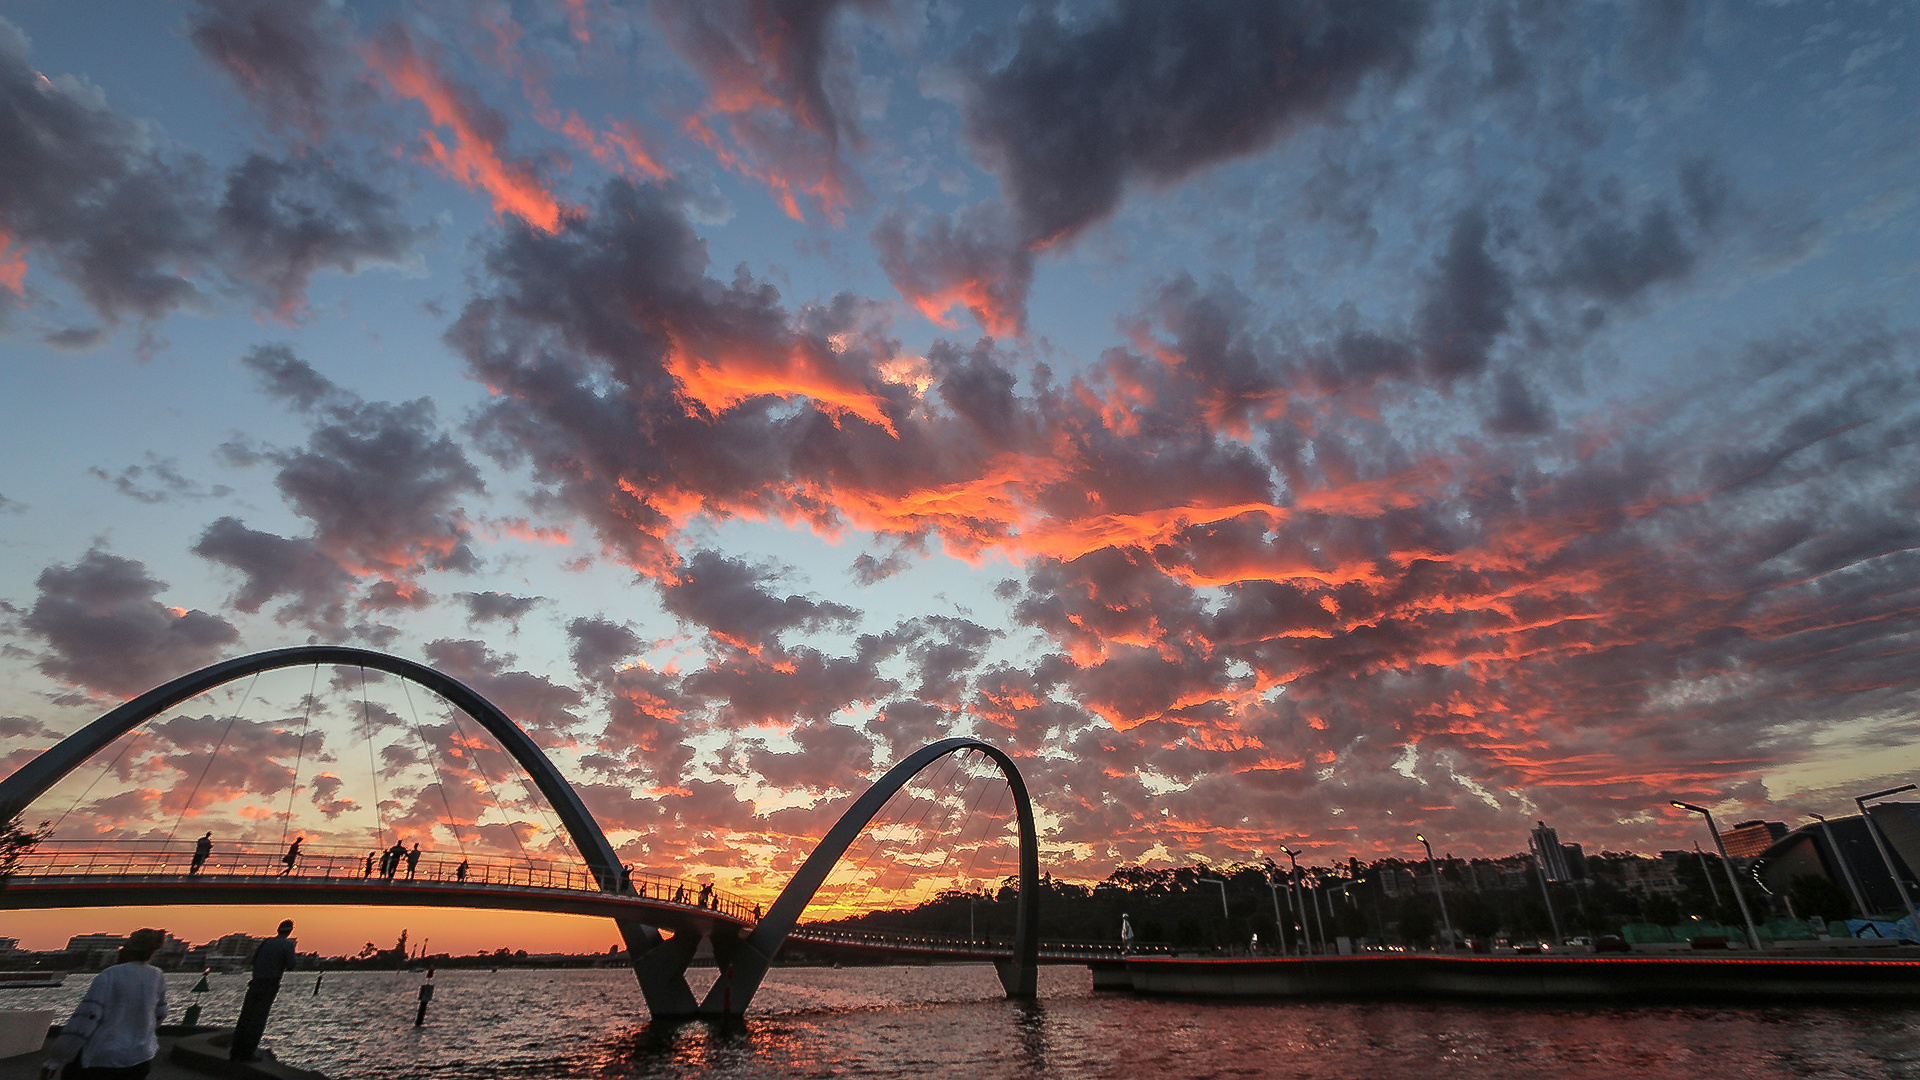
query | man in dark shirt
[270, 961]
[202, 848]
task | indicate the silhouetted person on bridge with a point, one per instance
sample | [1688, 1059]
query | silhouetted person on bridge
[292, 856]
[394, 854]
[112, 1029]
[202, 850]
[460, 872]
[369, 871]
[706, 894]
[680, 894]
[270, 962]
[413, 862]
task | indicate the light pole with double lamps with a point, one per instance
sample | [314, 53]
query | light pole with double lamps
[1873, 830]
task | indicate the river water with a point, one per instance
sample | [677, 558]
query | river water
[952, 1022]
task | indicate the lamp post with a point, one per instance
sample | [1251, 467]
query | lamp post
[1438, 894]
[1707, 872]
[1273, 892]
[1224, 918]
[1300, 902]
[1886, 856]
[1753, 932]
[1846, 871]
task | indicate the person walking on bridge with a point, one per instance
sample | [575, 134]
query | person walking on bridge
[394, 854]
[202, 850]
[292, 856]
[369, 870]
[413, 862]
[460, 872]
[706, 894]
[270, 962]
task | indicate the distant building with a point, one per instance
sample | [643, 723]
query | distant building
[1747, 839]
[94, 952]
[1811, 849]
[1576, 860]
[1546, 847]
[230, 953]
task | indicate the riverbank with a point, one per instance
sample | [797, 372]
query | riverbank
[1694, 979]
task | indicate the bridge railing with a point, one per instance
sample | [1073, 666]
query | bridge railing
[880, 939]
[162, 859]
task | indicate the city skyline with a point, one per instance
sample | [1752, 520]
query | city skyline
[1301, 424]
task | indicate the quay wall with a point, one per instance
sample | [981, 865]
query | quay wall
[1457, 978]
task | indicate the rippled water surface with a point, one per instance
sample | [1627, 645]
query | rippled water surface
[951, 1021]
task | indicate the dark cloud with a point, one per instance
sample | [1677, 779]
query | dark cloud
[971, 260]
[285, 55]
[273, 566]
[730, 599]
[1467, 302]
[1154, 92]
[599, 644]
[381, 485]
[287, 219]
[105, 631]
[380, 482]
[780, 88]
[868, 570]
[490, 606]
[108, 204]
[158, 481]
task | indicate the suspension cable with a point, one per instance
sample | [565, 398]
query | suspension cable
[470, 754]
[373, 770]
[299, 755]
[101, 775]
[210, 757]
[948, 762]
[453, 825]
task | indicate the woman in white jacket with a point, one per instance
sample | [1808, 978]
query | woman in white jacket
[112, 1032]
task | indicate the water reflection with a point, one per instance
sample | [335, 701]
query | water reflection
[952, 1021]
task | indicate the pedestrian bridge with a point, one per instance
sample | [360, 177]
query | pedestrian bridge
[744, 941]
[137, 873]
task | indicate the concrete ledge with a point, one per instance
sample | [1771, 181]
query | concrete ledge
[23, 1031]
[206, 1053]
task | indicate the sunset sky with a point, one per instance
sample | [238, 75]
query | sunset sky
[1302, 423]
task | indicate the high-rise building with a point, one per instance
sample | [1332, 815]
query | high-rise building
[1747, 839]
[1546, 847]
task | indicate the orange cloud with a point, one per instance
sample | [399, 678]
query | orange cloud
[13, 265]
[475, 159]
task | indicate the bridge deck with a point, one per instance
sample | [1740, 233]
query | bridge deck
[139, 873]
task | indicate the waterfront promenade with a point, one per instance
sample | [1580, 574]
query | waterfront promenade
[1465, 978]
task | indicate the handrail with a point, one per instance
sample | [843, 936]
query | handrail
[174, 859]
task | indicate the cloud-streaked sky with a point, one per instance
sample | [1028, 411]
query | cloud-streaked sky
[1274, 422]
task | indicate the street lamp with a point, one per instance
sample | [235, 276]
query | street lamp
[1753, 933]
[1846, 871]
[1273, 893]
[1886, 856]
[1300, 901]
[1223, 893]
[1445, 922]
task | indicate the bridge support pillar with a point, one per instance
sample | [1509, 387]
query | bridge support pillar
[1018, 980]
[661, 967]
